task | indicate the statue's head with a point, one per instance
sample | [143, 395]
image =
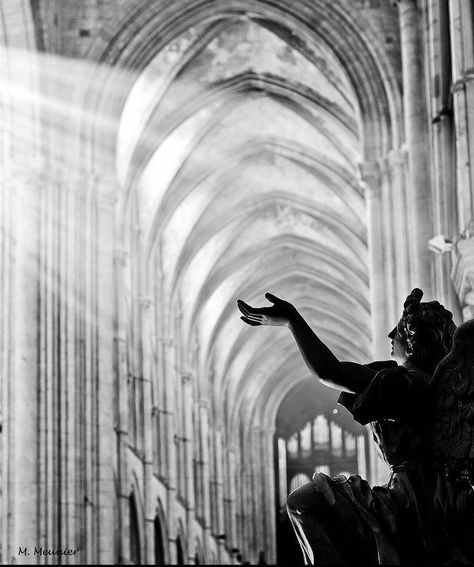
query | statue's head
[425, 331]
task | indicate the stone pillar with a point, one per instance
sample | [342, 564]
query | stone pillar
[105, 442]
[257, 464]
[463, 276]
[370, 174]
[269, 496]
[219, 489]
[389, 242]
[166, 407]
[230, 491]
[171, 460]
[49, 434]
[146, 308]
[237, 480]
[65, 271]
[462, 62]
[206, 497]
[121, 266]
[188, 441]
[20, 455]
[6, 340]
[397, 160]
[443, 156]
[416, 135]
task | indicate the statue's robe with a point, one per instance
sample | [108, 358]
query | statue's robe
[420, 517]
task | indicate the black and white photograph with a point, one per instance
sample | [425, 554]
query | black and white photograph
[237, 282]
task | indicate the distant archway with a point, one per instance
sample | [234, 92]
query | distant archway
[134, 534]
[160, 558]
[179, 552]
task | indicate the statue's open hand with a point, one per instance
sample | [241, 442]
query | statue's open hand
[279, 314]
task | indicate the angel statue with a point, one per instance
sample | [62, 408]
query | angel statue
[420, 407]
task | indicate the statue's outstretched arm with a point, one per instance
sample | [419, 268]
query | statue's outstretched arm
[346, 376]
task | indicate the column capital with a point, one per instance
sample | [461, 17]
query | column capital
[369, 171]
[371, 177]
[186, 377]
[204, 403]
[407, 4]
[397, 158]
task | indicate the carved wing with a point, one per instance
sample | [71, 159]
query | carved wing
[453, 386]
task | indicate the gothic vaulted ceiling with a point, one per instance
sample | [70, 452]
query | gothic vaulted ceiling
[242, 142]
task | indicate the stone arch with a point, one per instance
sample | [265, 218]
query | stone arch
[134, 531]
[199, 558]
[134, 41]
[161, 536]
[137, 518]
[181, 543]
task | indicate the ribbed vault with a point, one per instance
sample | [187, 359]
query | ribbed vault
[238, 152]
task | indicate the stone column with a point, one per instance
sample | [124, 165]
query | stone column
[257, 463]
[66, 268]
[165, 347]
[219, 489]
[269, 496]
[230, 492]
[463, 276]
[20, 426]
[397, 160]
[121, 266]
[6, 340]
[389, 242]
[462, 60]
[188, 442]
[104, 436]
[206, 497]
[443, 153]
[170, 469]
[416, 135]
[146, 308]
[370, 174]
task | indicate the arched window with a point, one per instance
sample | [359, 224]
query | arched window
[198, 555]
[134, 531]
[159, 547]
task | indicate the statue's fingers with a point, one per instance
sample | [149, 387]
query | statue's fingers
[246, 309]
[249, 314]
[243, 308]
[272, 298]
[254, 317]
[249, 322]
[241, 304]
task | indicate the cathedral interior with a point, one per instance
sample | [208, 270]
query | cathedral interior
[161, 159]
